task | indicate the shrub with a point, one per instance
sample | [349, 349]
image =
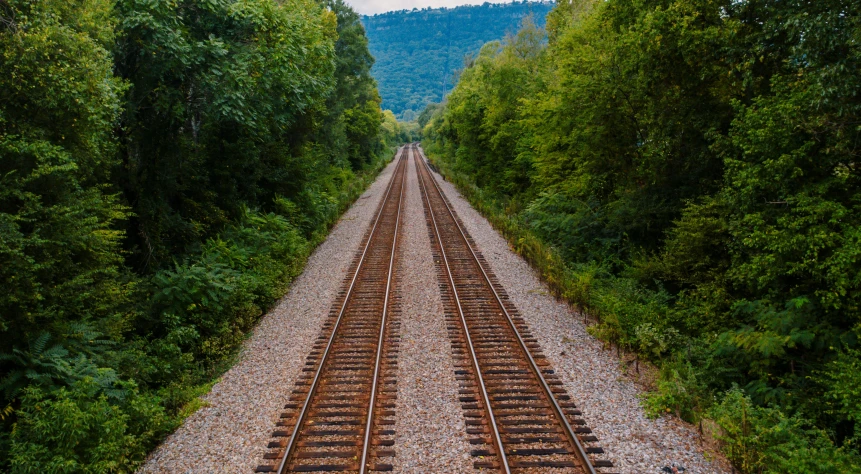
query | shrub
[679, 390]
[79, 430]
[842, 398]
[765, 440]
[686, 172]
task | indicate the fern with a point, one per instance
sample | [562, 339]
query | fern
[52, 367]
[6, 412]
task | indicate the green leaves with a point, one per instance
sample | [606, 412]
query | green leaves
[761, 439]
[59, 249]
[77, 430]
[419, 54]
[164, 173]
[219, 90]
[190, 287]
[842, 377]
[686, 171]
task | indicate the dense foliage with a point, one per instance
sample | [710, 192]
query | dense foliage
[419, 52]
[165, 168]
[688, 172]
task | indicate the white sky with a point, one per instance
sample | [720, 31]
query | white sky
[370, 7]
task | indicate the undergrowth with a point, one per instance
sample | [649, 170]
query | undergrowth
[755, 438]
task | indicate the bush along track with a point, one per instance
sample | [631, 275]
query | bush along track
[686, 172]
[165, 170]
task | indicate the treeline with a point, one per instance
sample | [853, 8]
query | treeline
[165, 169]
[687, 172]
[418, 52]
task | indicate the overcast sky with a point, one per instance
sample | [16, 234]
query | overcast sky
[369, 7]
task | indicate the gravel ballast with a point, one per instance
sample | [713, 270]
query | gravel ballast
[230, 433]
[429, 427]
[591, 374]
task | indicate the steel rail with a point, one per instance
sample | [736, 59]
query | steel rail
[291, 444]
[495, 429]
[363, 465]
[569, 431]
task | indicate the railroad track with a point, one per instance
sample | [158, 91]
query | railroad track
[340, 413]
[515, 408]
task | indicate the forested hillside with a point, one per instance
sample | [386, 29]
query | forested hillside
[418, 52]
[165, 168]
[687, 172]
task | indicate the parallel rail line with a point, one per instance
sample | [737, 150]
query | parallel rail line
[512, 399]
[339, 417]
[340, 413]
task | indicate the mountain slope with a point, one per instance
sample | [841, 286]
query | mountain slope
[418, 52]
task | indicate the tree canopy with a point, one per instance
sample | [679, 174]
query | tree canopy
[165, 169]
[419, 52]
[691, 167]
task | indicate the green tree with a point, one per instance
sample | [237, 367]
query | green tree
[484, 111]
[687, 171]
[352, 119]
[60, 255]
[218, 91]
[163, 177]
[419, 53]
[79, 430]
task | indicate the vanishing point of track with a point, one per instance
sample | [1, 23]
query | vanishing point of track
[341, 413]
[341, 407]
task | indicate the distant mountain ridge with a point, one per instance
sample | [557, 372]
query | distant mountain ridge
[418, 51]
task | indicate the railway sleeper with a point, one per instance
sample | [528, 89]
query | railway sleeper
[517, 464]
[538, 451]
[319, 422]
[323, 467]
[515, 406]
[533, 439]
[318, 413]
[324, 444]
[542, 422]
[499, 398]
[324, 454]
[332, 433]
[486, 465]
[520, 430]
[381, 467]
